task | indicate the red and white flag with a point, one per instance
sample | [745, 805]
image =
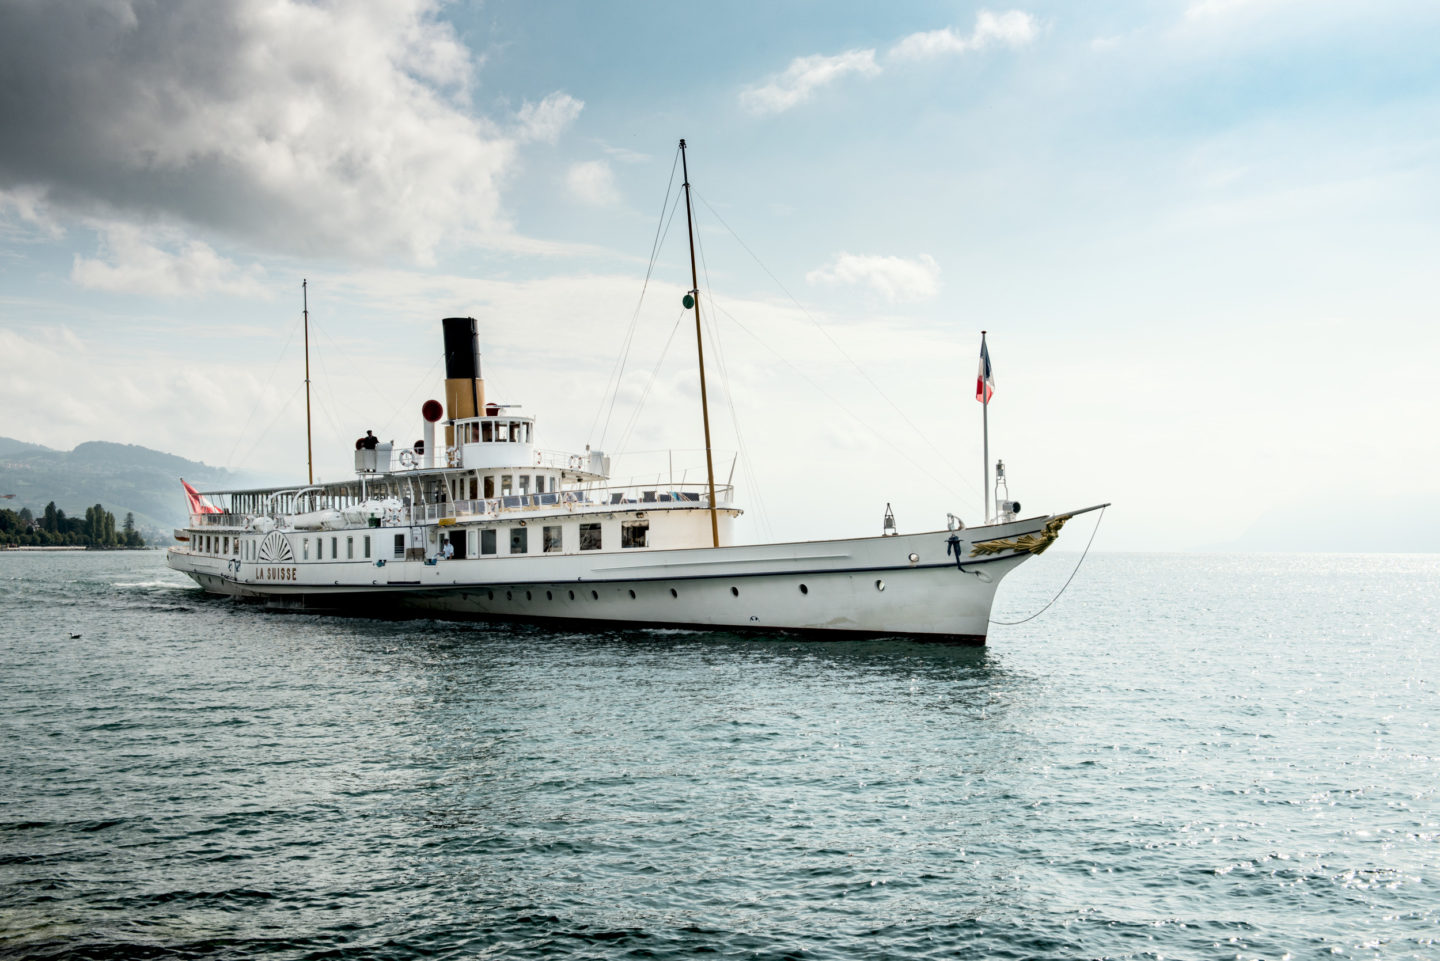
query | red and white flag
[198, 502]
[985, 380]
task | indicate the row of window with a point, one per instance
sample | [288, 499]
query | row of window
[591, 537]
[503, 485]
[334, 548]
[494, 432]
[552, 541]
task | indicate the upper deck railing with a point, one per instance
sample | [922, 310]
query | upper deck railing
[589, 500]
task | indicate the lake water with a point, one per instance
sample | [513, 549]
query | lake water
[1188, 756]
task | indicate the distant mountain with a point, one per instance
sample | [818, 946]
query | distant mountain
[1393, 524]
[8, 445]
[123, 477]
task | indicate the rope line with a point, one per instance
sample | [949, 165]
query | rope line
[617, 371]
[818, 326]
[240, 436]
[1067, 580]
[747, 462]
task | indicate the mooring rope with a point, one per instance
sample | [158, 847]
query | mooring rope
[1067, 580]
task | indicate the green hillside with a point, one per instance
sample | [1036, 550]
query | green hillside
[123, 477]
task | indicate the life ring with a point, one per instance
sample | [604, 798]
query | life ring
[407, 458]
[574, 461]
[452, 456]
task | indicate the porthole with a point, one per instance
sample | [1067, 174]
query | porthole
[804, 589]
[734, 592]
[508, 596]
[632, 595]
[549, 596]
[914, 558]
[674, 593]
[595, 595]
[527, 595]
[879, 585]
[572, 595]
[491, 595]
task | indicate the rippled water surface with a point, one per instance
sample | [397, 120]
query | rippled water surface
[1187, 757]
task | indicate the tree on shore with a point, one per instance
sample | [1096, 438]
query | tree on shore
[96, 529]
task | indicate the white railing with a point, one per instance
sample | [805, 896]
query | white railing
[646, 496]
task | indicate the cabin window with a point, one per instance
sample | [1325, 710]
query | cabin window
[634, 533]
[319, 548]
[507, 484]
[519, 540]
[399, 545]
[489, 486]
[305, 548]
[474, 487]
[487, 541]
[590, 537]
[524, 484]
[553, 539]
[334, 548]
[349, 548]
[225, 549]
[367, 547]
[485, 433]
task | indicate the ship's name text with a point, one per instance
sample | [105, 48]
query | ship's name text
[275, 573]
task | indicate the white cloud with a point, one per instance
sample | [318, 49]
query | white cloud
[896, 279]
[1214, 8]
[296, 127]
[803, 77]
[1014, 28]
[27, 205]
[135, 265]
[546, 120]
[593, 182]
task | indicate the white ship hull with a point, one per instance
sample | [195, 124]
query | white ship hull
[896, 586]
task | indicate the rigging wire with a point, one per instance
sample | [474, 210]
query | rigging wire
[838, 406]
[640, 405]
[1067, 580]
[762, 512]
[876, 387]
[406, 402]
[618, 370]
[229, 462]
[284, 408]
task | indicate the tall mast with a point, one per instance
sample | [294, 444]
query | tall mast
[309, 450]
[985, 418]
[700, 350]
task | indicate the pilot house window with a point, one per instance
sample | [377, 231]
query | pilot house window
[590, 537]
[634, 533]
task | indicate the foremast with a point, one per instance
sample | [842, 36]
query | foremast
[694, 301]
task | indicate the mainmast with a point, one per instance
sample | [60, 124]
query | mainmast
[309, 450]
[694, 299]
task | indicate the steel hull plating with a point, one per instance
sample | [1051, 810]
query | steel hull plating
[843, 588]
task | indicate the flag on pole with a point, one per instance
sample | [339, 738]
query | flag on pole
[198, 502]
[985, 380]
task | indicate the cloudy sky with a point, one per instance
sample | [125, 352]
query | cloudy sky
[1201, 233]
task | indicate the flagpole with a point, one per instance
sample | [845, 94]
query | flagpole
[985, 419]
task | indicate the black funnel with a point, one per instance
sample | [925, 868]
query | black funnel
[462, 349]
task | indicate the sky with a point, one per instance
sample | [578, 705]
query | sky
[1201, 235]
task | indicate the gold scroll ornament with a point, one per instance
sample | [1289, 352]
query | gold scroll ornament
[1035, 543]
